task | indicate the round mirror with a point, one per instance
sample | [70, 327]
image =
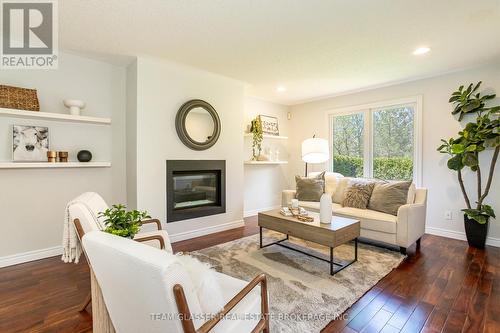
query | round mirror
[197, 124]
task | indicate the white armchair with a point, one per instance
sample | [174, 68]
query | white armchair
[84, 213]
[147, 290]
[87, 206]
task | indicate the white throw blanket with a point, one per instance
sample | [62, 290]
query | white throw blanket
[72, 249]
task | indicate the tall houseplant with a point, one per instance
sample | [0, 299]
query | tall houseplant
[464, 150]
[256, 130]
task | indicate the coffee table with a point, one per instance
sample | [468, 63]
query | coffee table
[341, 230]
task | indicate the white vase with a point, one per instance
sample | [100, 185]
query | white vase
[74, 106]
[325, 208]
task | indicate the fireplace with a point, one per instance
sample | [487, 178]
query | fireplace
[195, 188]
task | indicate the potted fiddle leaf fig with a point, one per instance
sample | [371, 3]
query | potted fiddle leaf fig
[475, 138]
[123, 223]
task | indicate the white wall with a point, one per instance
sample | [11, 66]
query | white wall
[32, 201]
[162, 87]
[444, 192]
[264, 183]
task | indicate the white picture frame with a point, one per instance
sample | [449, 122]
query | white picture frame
[269, 125]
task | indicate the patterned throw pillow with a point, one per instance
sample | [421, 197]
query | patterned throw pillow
[310, 189]
[388, 197]
[357, 194]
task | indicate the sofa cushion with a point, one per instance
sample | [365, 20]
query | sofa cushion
[411, 194]
[310, 189]
[357, 194]
[370, 219]
[389, 196]
[331, 180]
[338, 195]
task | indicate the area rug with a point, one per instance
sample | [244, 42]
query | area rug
[303, 296]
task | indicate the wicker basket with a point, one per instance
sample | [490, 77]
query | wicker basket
[18, 98]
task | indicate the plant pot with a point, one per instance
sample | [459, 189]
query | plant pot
[475, 232]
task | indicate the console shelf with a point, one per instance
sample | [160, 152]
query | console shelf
[53, 116]
[268, 136]
[47, 165]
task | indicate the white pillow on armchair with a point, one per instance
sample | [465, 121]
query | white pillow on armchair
[206, 285]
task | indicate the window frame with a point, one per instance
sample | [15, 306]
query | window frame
[368, 110]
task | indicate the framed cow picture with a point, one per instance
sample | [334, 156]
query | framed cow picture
[30, 143]
[269, 125]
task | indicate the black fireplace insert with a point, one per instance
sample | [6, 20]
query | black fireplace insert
[195, 188]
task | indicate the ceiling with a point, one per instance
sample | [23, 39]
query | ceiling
[313, 48]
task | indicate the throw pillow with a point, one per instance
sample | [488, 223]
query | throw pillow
[205, 283]
[338, 195]
[388, 197]
[310, 189]
[331, 180]
[357, 194]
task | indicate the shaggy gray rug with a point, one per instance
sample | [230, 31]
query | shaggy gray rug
[304, 297]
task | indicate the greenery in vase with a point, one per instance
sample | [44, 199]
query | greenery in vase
[477, 136]
[120, 222]
[256, 130]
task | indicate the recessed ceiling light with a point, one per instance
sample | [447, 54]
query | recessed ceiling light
[421, 50]
[281, 89]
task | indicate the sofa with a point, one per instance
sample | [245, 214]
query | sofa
[401, 230]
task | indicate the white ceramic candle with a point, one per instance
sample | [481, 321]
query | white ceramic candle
[295, 203]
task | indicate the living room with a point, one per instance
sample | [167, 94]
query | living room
[279, 162]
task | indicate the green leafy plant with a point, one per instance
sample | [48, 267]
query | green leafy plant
[257, 137]
[477, 136]
[123, 223]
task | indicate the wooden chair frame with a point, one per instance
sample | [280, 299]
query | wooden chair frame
[80, 232]
[187, 320]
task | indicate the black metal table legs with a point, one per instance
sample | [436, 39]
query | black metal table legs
[332, 262]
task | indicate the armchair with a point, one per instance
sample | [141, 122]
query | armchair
[147, 290]
[84, 211]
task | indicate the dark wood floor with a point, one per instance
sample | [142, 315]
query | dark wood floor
[446, 287]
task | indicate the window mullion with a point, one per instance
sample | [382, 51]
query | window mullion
[367, 147]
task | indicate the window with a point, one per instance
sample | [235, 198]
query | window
[376, 141]
[348, 145]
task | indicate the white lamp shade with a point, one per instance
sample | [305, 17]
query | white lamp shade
[315, 150]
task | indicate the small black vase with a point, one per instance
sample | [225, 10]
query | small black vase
[475, 232]
[84, 156]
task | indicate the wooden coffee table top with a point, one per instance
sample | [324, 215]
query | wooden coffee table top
[340, 231]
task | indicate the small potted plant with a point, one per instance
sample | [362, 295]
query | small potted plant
[476, 137]
[123, 223]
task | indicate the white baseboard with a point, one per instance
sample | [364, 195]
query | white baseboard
[20, 258]
[205, 231]
[459, 235]
[253, 212]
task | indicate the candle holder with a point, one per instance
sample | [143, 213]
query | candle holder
[63, 156]
[52, 156]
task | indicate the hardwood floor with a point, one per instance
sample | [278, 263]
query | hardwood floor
[446, 287]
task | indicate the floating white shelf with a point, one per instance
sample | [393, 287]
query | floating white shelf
[265, 162]
[53, 116]
[268, 136]
[47, 165]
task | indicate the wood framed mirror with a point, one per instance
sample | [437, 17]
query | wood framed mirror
[197, 124]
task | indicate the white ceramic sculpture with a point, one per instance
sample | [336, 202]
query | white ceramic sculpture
[74, 105]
